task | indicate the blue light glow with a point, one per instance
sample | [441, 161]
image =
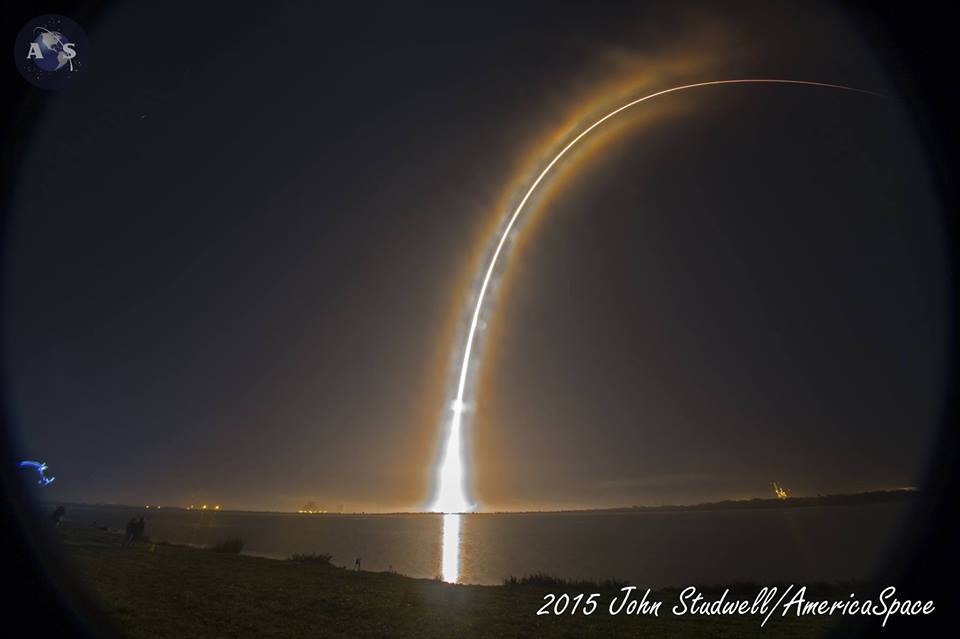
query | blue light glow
[39, 467]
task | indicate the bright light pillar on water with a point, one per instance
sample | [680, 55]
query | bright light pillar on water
[450, 549]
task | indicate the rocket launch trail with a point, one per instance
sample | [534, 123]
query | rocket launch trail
[451, 494]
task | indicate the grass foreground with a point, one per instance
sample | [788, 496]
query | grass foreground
[159, 590]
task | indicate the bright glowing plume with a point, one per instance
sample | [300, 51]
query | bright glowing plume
[451, 494]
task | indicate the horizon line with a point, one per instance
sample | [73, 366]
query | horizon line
[588, 509]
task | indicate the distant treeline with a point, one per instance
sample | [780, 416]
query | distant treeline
[871, 497]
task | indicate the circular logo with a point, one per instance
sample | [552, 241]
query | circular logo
[51, 51]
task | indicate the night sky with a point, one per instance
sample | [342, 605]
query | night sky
[238, 251]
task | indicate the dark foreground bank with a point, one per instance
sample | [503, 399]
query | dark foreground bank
[155, 590]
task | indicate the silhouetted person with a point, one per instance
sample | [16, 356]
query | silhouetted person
[131, 532]
[141, 527]
[58, 515]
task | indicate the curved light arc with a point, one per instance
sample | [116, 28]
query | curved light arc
[452, 498]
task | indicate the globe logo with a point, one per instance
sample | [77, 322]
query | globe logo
[51, 51]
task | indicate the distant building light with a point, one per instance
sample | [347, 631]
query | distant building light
[780, 491]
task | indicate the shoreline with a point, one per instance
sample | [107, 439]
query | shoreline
[159, 590]
[837, 499]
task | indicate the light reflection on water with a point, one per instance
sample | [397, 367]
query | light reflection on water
[829, 543]
[450, 551]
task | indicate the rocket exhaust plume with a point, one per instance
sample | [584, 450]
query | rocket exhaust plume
[450, 492]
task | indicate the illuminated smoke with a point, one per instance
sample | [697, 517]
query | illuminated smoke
[451, 494]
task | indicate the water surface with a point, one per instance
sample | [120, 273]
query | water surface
[818, 543]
